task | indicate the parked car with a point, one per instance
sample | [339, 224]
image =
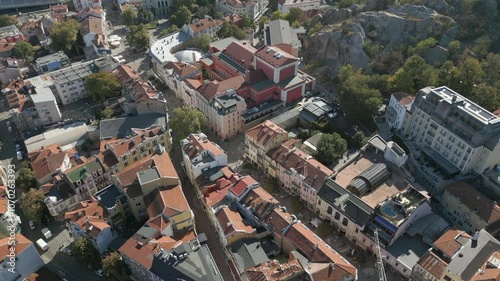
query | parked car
[18, 147]
[32, 225]
[10, 129]
[19, 155]
[68, 251]
[47, 233]
[99, 272]
[42, 244]
[8, 124]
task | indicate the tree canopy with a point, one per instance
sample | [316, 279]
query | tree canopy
[413, 76]
[115, 269]
[181, 16]
[64, 35]
[32, 204]
[228, 30]
[6, 20]
[85, 252]
[187, 120]
[25, 177]
[129, 17]
[358, 140]
[168, 30]
[145, 16]
[358, 100]
[330, 148]
[202, 42]
[139, 37]
[102, 85]
[23, 50]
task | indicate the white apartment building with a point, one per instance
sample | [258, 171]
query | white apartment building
[81, 5]
[399, 104]
[225, 113]
[285, 5]
[453, 131]
[159, 7]
[252, 8]
[205, 26]
[69, 82]
[44, 100]
[200, 154]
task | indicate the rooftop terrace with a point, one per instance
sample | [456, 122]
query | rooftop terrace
[392, 186]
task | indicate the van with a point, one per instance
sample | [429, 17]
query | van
[46, 232]
[42, 244]
[19, 155]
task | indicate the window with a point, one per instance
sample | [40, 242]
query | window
[337, 215]
[345, 222]
[329, 210]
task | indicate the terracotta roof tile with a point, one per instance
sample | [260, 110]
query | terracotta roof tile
[264, 132]
[403, 98]
[315, 173]
[197, 144]
[278, 219]
[241, 52]
[433, 264]
[260, 200]
[181, 69]
[47, 160]
[274, 271]
[275, 56]
[21, 244]
[125, 74]
[210, 89]
[164, 165]
[243, 184]
[231, 222]
[168, 201]
[204, 24]
[450, 243]
[91, 25]
[128, 175]
[143, 255]
[59, 9]
[485, 208]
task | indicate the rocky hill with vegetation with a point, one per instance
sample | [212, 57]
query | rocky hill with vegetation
[369, 49]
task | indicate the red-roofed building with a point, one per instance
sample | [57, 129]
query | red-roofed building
[20, 258]
[47, 162]
[205, 26]
[176, 74]
[242, 186]
[200, 154]
[88, 220]
[273, 270]
[260, 139]
[231, 227]
[399, 104]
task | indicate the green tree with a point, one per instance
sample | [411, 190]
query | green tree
[102, 85]
[277, 15]
[248, 21]
[25, 177]
[23, 50]
[202, 11]
[315, 29]
[490, 66]
[187, 120]
[107, 113]
[145, 16]
[115, 269]
[413, 76]
[202, 42]
[129, 17]
[471, 74]
[64, 35]
[32, 204]
[359, 101]
[85, 252]
[330, 148]
[228, 30]
[139, 37]
[6, 20]
[263, 20]
[295, 14]
[486, 96]
[423, 45]
[168, 30]
[358, 140]
[181, 17]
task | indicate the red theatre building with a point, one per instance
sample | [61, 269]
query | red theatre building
[271, 74]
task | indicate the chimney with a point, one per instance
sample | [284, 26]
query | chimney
[229, 224]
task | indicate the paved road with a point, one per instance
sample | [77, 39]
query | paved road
[201, 218]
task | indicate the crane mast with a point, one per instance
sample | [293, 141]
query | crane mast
[380, 262]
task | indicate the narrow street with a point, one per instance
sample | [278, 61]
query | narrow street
[201, 218]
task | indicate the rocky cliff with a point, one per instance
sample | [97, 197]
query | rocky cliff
[341, 41]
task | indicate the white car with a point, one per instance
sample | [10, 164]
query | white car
[32, 225]
[8, 123]
[99, 272]
[18, 147]
[10, 129]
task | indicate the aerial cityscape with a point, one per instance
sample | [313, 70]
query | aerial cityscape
[250, 140]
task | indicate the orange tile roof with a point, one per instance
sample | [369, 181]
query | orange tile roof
[242, 184]
[197, 144]
[264, 132]
[3, 205]
[234, 19]
[485, 208]
[211, 89]
[164, 165]
[272, 270]
[193, 83]
[84, 211]
[47, 160]
[316, 250]
[128, 175]
[21, 244]
[241, 52]
[231, 222]
[125, 74]
[59, 9]
[260, 200]
[141, 254]
[315, 173]
[448, 242]
[217, 191]
[168, 201]
[181, 69]
[5, 46]
[3, 191]
[269, 55]
[204, 24]
[433, 264]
